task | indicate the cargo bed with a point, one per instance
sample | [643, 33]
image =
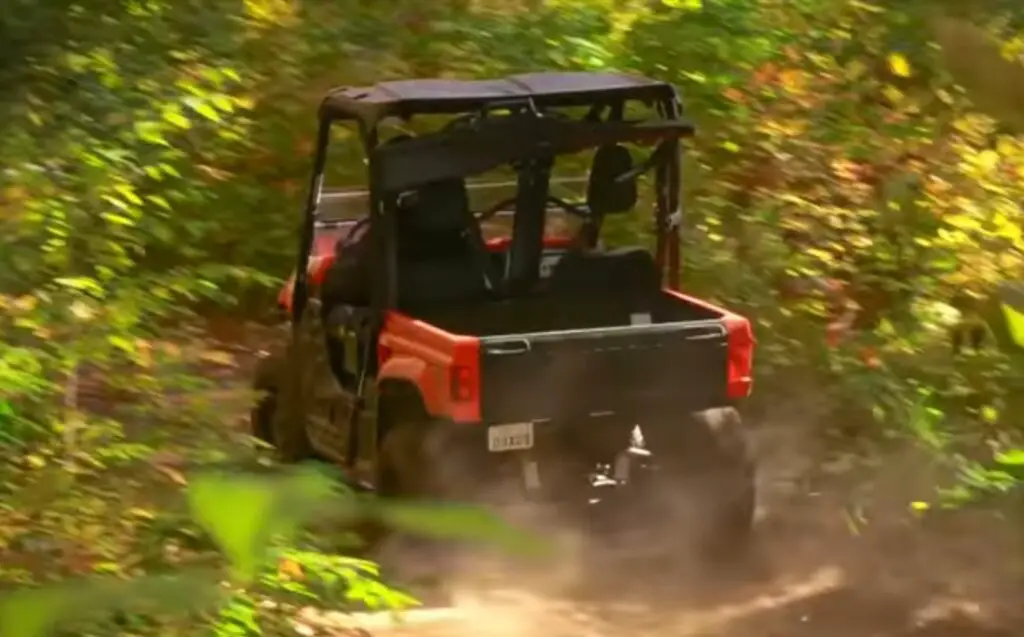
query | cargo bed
[566, 359]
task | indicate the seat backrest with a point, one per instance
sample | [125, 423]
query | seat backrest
[606, 287]
[607, 195]
[436, 260]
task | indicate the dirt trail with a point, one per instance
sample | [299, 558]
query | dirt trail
[836, 555]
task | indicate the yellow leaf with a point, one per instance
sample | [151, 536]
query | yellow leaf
[987, 160]
[792, 80]
[962, 222]
[290, 569]
[899, 65]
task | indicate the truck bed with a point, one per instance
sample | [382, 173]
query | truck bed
[527, 315]
[567, 359]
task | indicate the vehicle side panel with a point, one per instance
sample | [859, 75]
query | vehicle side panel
[444, 367]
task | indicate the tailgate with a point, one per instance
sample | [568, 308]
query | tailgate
[626, 370]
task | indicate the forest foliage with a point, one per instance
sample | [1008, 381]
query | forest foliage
[855, 188]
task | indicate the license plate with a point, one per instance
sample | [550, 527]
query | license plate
[510, 437]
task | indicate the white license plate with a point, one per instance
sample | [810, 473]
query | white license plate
[511, 437]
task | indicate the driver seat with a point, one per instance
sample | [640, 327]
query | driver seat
[437, 259]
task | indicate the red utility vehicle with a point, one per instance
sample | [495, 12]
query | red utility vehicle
[430, 360]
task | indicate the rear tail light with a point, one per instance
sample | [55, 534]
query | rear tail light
[741, 342]
[462, 383]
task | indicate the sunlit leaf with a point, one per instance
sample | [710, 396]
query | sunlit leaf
[82, 310]
[1013, 457]
[1014, 322]
[150, 132]
[83, 284]
[899, 65]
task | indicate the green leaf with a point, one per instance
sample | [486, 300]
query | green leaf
[159, 200]
[1012, 457]
[207, 111]
[1014, 323]
[151, 132]
[118, 220]
[32, 613]
[128, 193]
[175, 117]
[236, 512]
[224, 103]
[244, 512]
[82, 284]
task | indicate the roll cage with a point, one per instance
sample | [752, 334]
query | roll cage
[517, 121]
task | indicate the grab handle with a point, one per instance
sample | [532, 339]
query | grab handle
[509, 348]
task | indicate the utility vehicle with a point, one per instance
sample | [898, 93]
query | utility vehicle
[430, 361]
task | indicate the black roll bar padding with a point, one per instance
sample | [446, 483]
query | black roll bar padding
[300, 291]
[528, 225]
[618, 111]
[383, 287]
[497, 141]
[667, 185]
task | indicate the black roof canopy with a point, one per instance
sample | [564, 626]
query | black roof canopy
[444, 96]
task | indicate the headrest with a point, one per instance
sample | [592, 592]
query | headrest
[628, 271]
[438, 206]
[605, 195]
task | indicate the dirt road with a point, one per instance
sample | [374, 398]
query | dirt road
[837, 554]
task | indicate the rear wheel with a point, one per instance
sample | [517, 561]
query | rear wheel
[414, 456]
[703, 479]
[419, 457]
